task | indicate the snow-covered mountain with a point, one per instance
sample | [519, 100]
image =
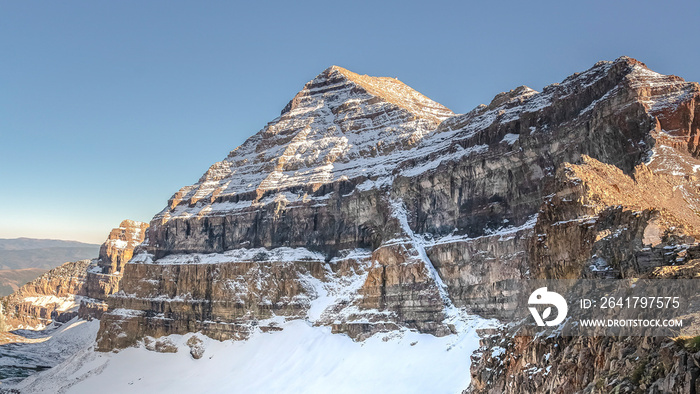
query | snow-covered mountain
[366, 209]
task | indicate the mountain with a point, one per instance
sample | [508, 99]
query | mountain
[34, 243]
[367, 209]
[363, 180]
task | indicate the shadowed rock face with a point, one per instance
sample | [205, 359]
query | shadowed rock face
[592, 364]
[367, 207]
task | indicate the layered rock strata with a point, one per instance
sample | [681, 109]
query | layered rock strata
[105, 272]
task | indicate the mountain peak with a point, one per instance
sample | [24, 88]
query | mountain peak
[340, 125]
[390, 90]
[630, 60]
[335, 68]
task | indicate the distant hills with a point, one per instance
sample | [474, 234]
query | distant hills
[11, 280]
[34, 243]
[24, 259]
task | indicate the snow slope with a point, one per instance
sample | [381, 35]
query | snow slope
[299, 359]
[44, 349]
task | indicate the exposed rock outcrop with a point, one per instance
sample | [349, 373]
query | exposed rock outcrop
[105, 273]
[585, 364]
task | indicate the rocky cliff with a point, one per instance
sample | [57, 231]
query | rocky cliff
[105, 272]
[54, 295]
[75, 287]
[367, 207]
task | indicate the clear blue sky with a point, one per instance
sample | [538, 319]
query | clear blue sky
[109, 107]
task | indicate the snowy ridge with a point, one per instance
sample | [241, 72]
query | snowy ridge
[663, 91]
[339, 121]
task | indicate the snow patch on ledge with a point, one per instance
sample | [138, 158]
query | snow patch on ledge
[510, 139]
[283, 254]
[60, 304]
[330, 294]
[447, 157]
[503, 234]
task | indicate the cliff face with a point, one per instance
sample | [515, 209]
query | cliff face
[54, 295]
[75, 287]
[367, 207]
[585, 364]
[119, 246]
[105, 272]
